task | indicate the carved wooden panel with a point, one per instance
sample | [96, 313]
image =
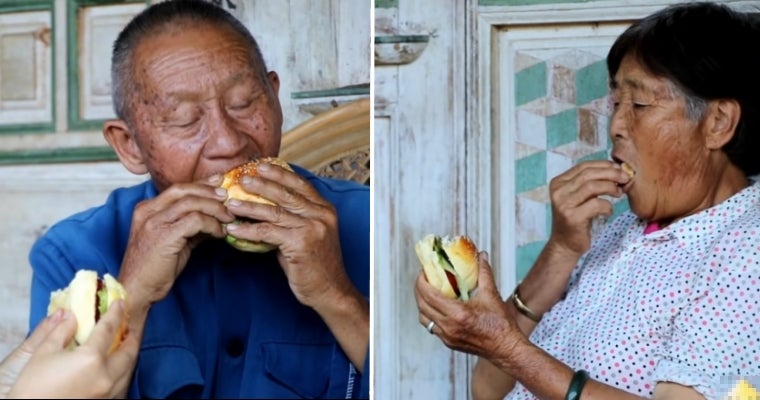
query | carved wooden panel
[98, 28]
[26, 59]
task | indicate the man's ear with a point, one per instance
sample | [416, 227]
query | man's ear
[274, 81]
[122, 141]
[723, 118]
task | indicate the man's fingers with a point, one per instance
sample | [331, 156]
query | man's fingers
[213, 207]
[283, 187]
[261, 232]
[179, 199]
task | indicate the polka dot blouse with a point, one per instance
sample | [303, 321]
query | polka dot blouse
[680, 304]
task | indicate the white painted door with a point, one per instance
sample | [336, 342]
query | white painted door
[418, 183]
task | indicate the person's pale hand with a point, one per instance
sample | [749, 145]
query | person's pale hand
[14, 363]
[576, 202]
[304, 227]
[165, 230]
[481, 326]
[53, 370]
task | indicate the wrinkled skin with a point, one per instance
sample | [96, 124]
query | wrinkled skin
[43, 367]
[480, 326]
[200, 109]
[575, 197]
[680, 167]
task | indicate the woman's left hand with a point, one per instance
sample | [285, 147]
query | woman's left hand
[480, 326]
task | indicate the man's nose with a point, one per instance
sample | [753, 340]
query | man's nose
[227, 138]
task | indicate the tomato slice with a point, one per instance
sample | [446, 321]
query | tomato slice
[453, 282]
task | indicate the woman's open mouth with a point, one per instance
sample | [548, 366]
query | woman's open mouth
[628, 170]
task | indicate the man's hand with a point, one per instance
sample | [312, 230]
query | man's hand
[164, 231]
[304, 227]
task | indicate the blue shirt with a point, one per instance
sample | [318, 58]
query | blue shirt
[230, 326]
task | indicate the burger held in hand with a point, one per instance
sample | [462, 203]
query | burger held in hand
[88, 297]
[450, 264]
[235, 190]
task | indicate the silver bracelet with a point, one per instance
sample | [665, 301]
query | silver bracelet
[521, 307]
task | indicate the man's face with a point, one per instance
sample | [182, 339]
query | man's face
[200, 107]
[651, 132]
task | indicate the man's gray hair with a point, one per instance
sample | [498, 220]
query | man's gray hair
[160, 18]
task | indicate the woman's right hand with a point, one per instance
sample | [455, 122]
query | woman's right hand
[576, 202]
[44, 367]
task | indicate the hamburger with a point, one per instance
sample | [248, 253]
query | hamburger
[450, 264]
[231, 183]
[89, 297]
[628, 169]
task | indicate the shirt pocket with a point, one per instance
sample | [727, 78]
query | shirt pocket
[303, 368]
[172, 372]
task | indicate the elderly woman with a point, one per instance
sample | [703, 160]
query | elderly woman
[664, 303]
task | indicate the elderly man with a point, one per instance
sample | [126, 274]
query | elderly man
[194, 99]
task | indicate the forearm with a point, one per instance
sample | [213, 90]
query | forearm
[347, 317]
[546, 281]
[490, 382]
[541, 289]
[549, 379]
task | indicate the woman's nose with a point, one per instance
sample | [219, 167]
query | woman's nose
[618, 124]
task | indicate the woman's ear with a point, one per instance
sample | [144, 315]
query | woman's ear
[722, 122]
[122, 141]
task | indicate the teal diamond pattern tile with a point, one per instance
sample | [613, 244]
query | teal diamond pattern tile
[591, 82]
[525, 258]
[600, 155]
[561, 128]
[530, 83]
[530, 172]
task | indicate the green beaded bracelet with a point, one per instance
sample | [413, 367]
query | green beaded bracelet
[576, 385]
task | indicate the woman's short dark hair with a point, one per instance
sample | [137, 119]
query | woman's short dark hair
[709, 51]
[163, 17]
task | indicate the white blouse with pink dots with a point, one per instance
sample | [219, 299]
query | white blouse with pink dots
[680, 304]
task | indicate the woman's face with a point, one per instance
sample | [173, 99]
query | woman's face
[651, 132]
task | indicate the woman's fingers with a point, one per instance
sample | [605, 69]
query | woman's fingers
[62, 333]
